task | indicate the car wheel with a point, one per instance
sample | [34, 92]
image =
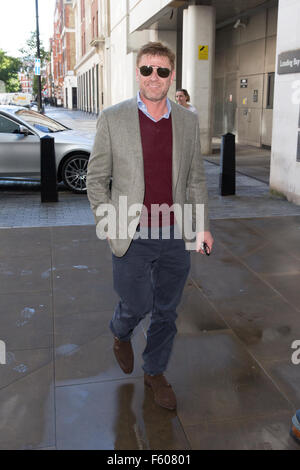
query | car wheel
[74, 172]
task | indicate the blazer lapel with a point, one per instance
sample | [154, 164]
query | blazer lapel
[133, 128]
[177, 130]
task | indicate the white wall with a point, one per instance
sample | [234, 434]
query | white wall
[285, 170]
[169, 38]
[69, 83]
[120, 76]
[144, 10]
[118, 12]
[124, 45]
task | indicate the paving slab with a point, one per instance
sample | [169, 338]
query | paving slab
[217, 379]
[259, 433]
[231, 367]
[115, 415]
[27, 419]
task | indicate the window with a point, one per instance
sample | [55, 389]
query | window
[39, 121]
[270, 90]
[7, 126]
[83, 43]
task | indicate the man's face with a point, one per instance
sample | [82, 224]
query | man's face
[154, 88]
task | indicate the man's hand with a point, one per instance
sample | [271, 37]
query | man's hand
[204, 237]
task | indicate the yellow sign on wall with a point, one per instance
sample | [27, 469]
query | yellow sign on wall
[203, 52]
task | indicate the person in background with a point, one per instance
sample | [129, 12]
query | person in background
[183, 98]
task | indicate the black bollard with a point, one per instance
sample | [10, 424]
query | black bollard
[227, 166]
[48, 170]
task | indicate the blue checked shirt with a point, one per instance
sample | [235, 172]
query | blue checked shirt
[143, 108]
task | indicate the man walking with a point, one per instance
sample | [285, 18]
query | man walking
[148, 149]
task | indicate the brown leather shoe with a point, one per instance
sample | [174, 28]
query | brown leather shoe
[124, 355]
[163, 393]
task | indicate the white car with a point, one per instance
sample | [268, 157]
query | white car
[20, 133]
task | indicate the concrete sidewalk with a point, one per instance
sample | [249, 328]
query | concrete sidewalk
[231, 368]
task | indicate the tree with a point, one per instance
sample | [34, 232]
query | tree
[9, 68]
[29, 53]
[35, 84]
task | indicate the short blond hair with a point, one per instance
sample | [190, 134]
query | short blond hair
[156, 48]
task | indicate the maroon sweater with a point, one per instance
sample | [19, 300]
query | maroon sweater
[157, 152]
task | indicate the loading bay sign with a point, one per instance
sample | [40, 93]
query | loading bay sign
[289, 62]
[203, 52]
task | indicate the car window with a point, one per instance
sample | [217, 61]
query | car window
[7, 126]
[39, 121]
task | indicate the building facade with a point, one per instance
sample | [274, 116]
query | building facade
[26, 82]
[285, 158]
[244, 78]
[225, 59]
[69, 55]
[49, 75]
[92, 25]
[57, 56]
[228, 57]
[62, 83]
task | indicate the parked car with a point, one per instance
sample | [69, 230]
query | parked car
[20, 133]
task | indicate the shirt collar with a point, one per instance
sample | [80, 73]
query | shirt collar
[142, 106]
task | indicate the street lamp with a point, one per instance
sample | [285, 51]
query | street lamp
[38, 55]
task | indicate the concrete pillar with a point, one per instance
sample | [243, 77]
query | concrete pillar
[185, 29]
[197, 76]
[285, 157]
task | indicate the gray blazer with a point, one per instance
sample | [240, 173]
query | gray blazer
[117, 153]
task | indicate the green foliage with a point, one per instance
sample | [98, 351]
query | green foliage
[13, 85]
[35, 84]
[9, 67]
[29, 53]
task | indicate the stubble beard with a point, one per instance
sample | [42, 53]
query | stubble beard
[152, 98]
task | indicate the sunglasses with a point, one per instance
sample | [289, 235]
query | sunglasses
[146, 71]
